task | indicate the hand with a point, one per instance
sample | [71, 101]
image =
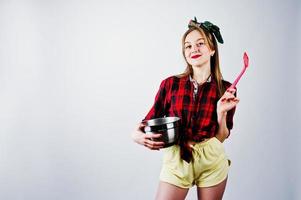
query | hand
[226, 102]
[147, 139]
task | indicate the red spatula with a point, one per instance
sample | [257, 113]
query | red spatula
[246, 64]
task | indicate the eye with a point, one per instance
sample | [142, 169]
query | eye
[201, 43]
[188, 47]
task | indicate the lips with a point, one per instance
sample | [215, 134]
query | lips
[195, 56]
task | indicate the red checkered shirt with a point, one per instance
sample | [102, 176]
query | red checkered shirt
[194, 104]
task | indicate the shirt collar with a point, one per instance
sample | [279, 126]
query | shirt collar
[195, 82]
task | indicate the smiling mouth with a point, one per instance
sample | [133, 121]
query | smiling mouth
[196, 56]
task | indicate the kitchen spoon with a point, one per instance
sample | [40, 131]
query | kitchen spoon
[246, 64]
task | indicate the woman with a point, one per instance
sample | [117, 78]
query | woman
[201, 98]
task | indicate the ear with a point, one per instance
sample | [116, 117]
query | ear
[212, 52]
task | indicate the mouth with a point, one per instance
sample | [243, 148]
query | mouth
[195, 56]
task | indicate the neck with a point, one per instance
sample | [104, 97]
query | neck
[201, 73]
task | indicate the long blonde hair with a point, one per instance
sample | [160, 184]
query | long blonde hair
[214, 60]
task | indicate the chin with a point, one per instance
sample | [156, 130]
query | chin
[195, 63]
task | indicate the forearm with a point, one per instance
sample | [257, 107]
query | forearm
[222, 132]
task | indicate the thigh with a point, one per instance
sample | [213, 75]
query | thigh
[212, 193]
[168, 191]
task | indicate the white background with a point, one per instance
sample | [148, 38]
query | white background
[77, 76]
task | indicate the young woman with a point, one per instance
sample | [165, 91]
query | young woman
[201, 98]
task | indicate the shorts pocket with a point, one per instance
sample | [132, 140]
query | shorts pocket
[214, 151]
[218, 141]
[218, 144]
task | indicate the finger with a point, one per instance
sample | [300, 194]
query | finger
[151, 148]
[227, 95]
[158, 149]
[231, 90]
[142, 124]
[158, 144]
[232, 104]
[154, 148]
[153, 135]
[233, 100]
[236, 99]
[227, 99]
[154, 145]
[230, 99]
[140, 127]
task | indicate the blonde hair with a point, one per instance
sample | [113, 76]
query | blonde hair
[214, 60]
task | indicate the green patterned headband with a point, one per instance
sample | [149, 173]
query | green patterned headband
[209, 27]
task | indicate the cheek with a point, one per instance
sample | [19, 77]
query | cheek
[204, 49]
[186, 53]
[187, 56]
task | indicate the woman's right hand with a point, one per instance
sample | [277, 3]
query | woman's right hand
[146, 139]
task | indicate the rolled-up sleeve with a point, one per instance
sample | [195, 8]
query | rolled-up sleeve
[160, 104]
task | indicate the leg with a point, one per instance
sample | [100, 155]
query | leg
[168, 191]
[212, 193]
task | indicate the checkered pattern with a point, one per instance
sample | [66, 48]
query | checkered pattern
[194, 104]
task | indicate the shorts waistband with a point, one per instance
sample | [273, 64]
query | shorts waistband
[204, 142]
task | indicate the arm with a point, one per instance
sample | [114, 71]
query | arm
[225, 111]
[223, 131]
[157, 110]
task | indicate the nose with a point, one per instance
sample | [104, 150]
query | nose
[195, 47]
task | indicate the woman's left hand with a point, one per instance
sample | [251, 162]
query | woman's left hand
[227, 101]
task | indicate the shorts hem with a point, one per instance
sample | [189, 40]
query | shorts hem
[210, 184]
[175, 184]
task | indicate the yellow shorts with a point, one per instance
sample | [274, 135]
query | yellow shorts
[208, 167]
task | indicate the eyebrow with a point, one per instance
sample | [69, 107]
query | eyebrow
[196, 40]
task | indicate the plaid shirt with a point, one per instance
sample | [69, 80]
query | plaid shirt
[196, 106]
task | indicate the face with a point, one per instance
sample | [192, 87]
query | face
[197, 53]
